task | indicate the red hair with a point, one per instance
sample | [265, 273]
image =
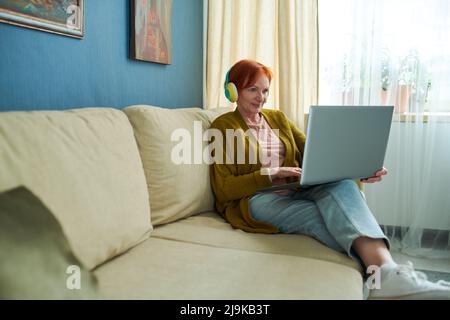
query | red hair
[246, 72]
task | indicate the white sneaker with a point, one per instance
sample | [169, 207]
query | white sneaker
[403, 282]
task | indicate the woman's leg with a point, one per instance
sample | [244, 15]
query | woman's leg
[349, 220]
[293, 216]
[373, 252]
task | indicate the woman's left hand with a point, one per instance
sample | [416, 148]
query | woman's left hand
[377, 177]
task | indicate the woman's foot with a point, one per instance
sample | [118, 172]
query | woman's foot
[403, 282]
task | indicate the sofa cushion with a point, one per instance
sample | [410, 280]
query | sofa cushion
[176, 190]
[166, 269]
[212, 114]
[210, 229]
[85, 166]
[36, 260]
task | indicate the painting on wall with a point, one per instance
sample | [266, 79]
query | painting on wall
[151, 30]
[63, 17]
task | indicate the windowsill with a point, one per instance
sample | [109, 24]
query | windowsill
[441, 117]
[424, 117]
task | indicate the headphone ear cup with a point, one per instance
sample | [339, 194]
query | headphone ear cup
[231, 92]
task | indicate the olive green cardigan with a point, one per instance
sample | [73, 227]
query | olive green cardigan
[234, 184]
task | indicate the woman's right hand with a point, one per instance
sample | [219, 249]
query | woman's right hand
[285, 172]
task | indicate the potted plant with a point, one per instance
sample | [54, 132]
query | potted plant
[407, 80]
[385, 76]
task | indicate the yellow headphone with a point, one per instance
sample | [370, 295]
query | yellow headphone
[231, 91]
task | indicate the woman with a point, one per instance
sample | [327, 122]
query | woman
[334, 214]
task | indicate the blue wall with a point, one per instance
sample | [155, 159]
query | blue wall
[40, 70]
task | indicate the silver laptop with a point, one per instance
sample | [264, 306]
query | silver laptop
[343, 142]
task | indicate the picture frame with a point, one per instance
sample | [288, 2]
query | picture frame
[151, 31]
[63, 17]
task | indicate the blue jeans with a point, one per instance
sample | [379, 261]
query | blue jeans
[335, 214]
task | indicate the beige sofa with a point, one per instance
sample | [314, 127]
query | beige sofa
[145, 226]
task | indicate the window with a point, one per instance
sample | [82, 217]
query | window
[389, 52]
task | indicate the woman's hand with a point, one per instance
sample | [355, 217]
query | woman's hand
[285, 172]
[377, 177]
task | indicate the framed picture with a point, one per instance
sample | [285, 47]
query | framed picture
[151, 30]
[63, 17]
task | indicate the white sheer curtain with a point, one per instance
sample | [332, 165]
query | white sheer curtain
[397, 52]
[281, 34]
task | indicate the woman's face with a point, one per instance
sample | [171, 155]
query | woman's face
[252, 99]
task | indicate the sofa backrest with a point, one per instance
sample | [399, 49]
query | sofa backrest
[85, 166]
[177, 188]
